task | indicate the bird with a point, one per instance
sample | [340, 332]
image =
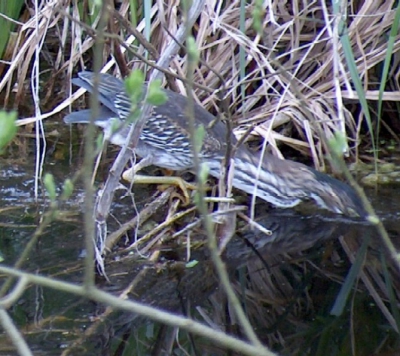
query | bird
[165, 142]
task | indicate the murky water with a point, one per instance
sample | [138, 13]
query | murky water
[52, 321]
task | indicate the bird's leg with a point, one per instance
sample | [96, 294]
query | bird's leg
[164, 180]
[131, 175]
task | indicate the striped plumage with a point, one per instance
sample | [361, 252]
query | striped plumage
[286, 183]
[165, 142]
[164, 138]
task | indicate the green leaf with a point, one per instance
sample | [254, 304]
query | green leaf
[192, 264]
[11, 11]
[134, 86]
[8, 127]
[355, 76]
[258, 14]
[390, 53]
[67, 189]
[192, 50]
[155, 94]
[338, 144]
[352, 275]
[50, 186]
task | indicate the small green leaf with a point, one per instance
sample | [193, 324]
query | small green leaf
[373, 220]
[50, 186]
[134, 86]
[155, 94]
[192, 50]
[67, 189]
[338, 144]
[258, 14]
[8, 127]
[192, 264]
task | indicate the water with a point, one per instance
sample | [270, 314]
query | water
[303, 288]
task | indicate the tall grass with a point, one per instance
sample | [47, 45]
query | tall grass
[9, 11]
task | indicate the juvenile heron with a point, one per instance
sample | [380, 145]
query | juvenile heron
[165, 142]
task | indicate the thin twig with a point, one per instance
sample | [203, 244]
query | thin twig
[97, 295]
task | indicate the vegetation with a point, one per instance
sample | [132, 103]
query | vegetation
[309, 79]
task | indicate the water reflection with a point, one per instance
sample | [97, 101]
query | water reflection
[277, 273]
[290, 233]
[171, 285]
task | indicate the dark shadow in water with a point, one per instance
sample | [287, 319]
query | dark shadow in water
[172, 286]
[53, 320]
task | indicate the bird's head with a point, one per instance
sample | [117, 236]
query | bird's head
[286, 183]
[334, 195]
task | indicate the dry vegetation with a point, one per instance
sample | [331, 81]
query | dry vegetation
[291, 82]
